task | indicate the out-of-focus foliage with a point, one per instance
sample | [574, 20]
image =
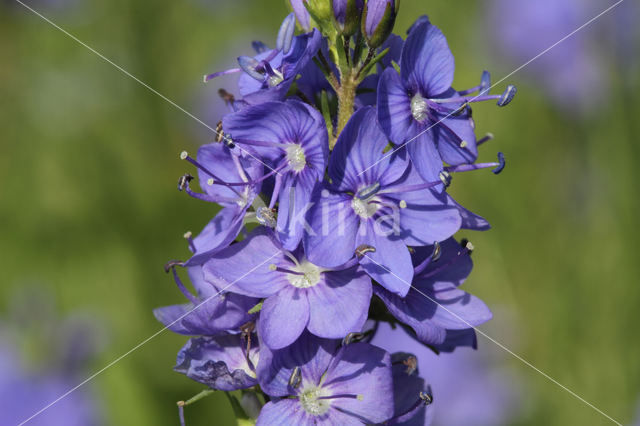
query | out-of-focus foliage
[88, 199]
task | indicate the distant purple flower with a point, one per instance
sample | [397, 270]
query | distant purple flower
[225, 362]
[420, 104]
[435, 305]
[571, 73]
[313, 382]
[292, 137]
[385, 206]
[209, 313]
[226, 179]
[469, 387]
[298, 294]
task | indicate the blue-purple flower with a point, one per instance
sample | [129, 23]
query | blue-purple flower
[419, 108]
[435, 306]
[297, 294]
[376, 201]
[291, 137]
[316, 382]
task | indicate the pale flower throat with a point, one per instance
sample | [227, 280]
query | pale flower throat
[310, 402]
[295, 156]
[419, 107]
[311, 277]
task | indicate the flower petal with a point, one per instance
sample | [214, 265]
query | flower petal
[427, 62]
[394, 107]
[339, 304]
[456, 139]
[363, 370]
[424, 155]
[334, 226]
[284, 317]
[294, 203]
[281, 412]
[390, 264]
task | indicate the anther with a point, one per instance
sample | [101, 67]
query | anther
[171, 264]
[463, 144]
[363, 249]
[485, 83]
[402, 204]
[266, 216]
[426, 397]
[437, 252]
[368, 191]
[352, 337]
[210, 181]
[184, 155]
[445, 177]
[273, 267]
[467, 245]
[249, 65]
[498, 169]
[184, 181]
[285, 34]
[507, 95]
[228, 141]
[295, 378]
[189, 237]
[411, 362]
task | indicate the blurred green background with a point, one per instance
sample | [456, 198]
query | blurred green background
[89, 206]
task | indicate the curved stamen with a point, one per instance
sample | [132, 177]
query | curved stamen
[172, 266]
[486, 138]
[435, 255]
[183, 185]
[189, 237]
[410, 188]
[424, 399]
[276, 268]
[295, 378]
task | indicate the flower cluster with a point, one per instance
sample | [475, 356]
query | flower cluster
[332, 170]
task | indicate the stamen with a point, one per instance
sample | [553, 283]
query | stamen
[486, 138]
[274, 267]
[171, 266]
[498, 169]
[424, 398]
[470, 167]
[209, 77]
[295, 378]
[445, 177]
[435, 256]
[189, 237]
[415, 187]
[359, 397]
[402, 204]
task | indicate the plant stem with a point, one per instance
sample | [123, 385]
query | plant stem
[346, 101]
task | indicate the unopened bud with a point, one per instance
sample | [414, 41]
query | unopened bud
[347, 14]
[378, 20]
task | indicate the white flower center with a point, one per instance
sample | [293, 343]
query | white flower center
[296, 158]
[363, 208]
[310, 402]
[311, 276]
[419, 107]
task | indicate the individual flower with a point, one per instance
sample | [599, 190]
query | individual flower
[291, 137]
[435, 305]
[378, 20]
[468, 387]
[314, 382]
[210, 312]
[347, 14]
[227, 362]
[269, 75]
[228, 180]
[419, 108]
[298, 294]
[376, 201]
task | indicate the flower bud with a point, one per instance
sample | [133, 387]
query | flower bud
[378, 20]
[347, 14]
[302, 14]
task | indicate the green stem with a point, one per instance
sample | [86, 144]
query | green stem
[346, 101]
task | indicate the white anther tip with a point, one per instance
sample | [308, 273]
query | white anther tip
[184, 155]
[187, 235]
[463, 144]
[272, 267]
[403, 204]
[210, 181]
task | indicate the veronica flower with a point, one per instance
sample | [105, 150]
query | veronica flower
[298, 294]
[269, 75]
[227, 362]
[435, 304]
[210, 312]
[376, 201]
[311, 382]
[226, 179]
[292, 137]
[420, 104]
